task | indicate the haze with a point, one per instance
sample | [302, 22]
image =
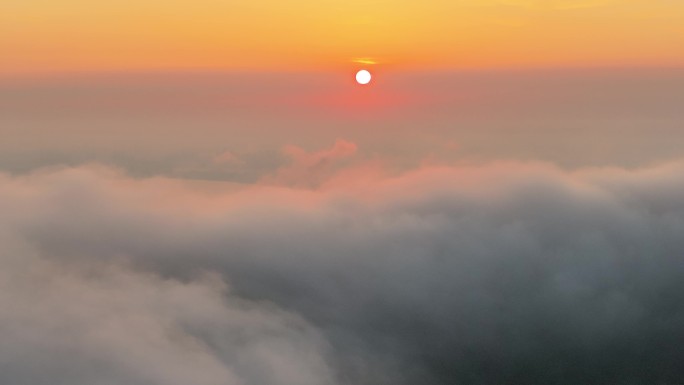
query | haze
[200, 192]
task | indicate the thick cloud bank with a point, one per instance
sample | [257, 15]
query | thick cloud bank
[497, 274]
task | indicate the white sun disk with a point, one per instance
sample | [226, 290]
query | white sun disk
[363, 77]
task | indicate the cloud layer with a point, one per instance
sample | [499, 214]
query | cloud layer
[516, 273]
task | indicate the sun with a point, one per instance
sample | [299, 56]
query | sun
[363, 77]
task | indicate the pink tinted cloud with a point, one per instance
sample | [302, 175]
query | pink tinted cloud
[488, 252]
[311, 168]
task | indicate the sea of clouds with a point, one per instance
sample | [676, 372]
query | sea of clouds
[331, 273]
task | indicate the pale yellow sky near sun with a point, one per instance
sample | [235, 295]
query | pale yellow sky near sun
[85, 35]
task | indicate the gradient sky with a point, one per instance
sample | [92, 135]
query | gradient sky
[73, 35]
[197, 192]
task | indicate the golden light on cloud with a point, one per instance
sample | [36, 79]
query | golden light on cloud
[365, 60]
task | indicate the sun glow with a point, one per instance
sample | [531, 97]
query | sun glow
[363, 77]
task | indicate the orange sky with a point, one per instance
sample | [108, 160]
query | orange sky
[77, 35]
